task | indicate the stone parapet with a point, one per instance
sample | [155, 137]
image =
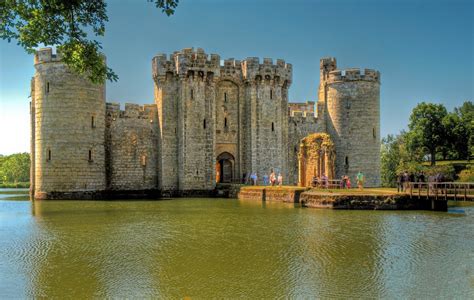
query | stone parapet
[353, 74]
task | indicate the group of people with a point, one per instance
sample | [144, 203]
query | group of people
[404, 179]
[271, 179]
[344, 183]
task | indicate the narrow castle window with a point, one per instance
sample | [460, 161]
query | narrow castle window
[225, 122]
[204, 124]
[225, 97]
[271, 94]
[92, 122]
[192, 94]
[49, 155]
[47, 87]
[374, 134]
[143, 161]
[347, 161]
[273, 126]
[90, 156]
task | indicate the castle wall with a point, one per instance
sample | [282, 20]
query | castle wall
[353, 122]
[69, 116]
[132, 154]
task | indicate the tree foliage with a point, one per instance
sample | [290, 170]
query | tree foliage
[15, 168]
[427, 132]
[65, 24]
[432, 132]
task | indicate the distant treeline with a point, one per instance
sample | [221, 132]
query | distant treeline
[434, 134]
[15, 170]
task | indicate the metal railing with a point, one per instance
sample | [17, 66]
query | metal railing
[457, 191]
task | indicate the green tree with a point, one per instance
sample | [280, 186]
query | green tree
[65, 23]
[16, 168]
[427, 132]
[466, 116]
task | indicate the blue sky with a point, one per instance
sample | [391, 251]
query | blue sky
[423, 49]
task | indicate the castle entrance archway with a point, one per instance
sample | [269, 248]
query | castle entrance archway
[225, 167]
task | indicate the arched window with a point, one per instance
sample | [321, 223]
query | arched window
[273, 126]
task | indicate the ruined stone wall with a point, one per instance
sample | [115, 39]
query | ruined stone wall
[131, 147]
[300, 125]
[69, 128]
[353, 122]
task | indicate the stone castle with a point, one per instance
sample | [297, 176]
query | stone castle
[210, 122]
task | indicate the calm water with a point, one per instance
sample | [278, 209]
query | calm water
[220, 248]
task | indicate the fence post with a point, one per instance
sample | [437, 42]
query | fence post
[446, 191]
[465, 192]
[455, 190]
[411, 189]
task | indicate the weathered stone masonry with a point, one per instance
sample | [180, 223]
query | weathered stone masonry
[209, 122]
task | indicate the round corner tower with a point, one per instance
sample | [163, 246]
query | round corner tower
[352, 104]
[68, 129]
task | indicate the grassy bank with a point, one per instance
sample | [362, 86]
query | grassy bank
[12, 185]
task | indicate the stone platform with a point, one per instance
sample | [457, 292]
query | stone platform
[367, 199]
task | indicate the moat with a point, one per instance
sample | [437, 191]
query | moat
[225, 248]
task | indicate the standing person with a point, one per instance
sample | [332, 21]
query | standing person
[272, 178]
[265, 179]
[343, 182]
[348, 182]
[406, 179]
[360, 180]
[256, 178]
[324, 180]
[280, 179]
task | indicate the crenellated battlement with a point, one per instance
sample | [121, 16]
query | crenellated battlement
[353, 74]
[190, 62]
[280, 72]
[297, 117]
[45, 55]
[232, 68]
[185, 61]
[132, 110]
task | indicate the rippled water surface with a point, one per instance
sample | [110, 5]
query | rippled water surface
[221, 248]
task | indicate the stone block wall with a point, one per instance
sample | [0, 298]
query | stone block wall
[132, 154]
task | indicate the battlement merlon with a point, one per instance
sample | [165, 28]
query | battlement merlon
[353, 75]
[132, 110]
[253, 70]
[298, 117]
[185, 61]
[46, 55]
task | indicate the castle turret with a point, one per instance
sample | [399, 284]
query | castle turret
[68, 116]
[352, 103]
[185, 96]
[266, 129]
